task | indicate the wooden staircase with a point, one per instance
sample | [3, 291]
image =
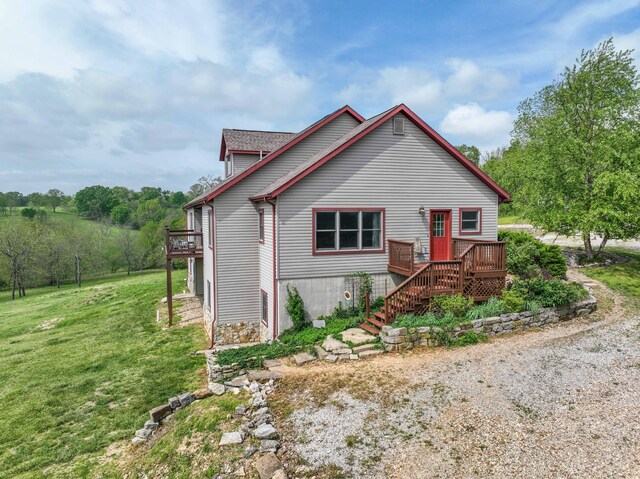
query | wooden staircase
[478, 270]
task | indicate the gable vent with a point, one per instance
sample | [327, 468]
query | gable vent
[398, 125]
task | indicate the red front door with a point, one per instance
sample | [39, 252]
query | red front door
[440, 235]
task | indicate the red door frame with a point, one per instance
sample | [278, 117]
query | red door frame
[447, 232]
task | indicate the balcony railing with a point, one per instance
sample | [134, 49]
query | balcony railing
[183, 243]
[401, 257]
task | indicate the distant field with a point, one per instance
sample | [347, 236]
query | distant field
[623, 278]
[510, 220]
[80, 368]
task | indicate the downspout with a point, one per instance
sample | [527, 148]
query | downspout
[275, 286]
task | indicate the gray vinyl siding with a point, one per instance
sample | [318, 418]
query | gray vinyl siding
[237, 260]
[241, 162]
[207, 259]
[265, 252]
[397, 172]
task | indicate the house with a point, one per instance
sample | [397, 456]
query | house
[386, 195]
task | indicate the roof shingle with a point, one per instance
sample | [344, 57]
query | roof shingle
[253, 140]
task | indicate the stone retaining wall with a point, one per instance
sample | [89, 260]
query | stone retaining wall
[218, 373]
[401, 339]
[232, 333]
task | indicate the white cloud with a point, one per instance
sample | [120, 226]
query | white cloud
[472, 124]
[585, 15]
[629, 41]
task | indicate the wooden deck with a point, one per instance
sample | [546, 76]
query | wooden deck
[477, 269]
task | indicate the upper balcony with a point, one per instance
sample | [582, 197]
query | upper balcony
[183, 244]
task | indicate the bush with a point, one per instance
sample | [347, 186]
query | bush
[524, 252]
[513, 302]
[295, 308]
[548, 293]
[493, 307]
[29, 213]
[410, 320]
[456, 304]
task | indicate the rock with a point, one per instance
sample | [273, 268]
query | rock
[271, 363]
[353, 356]
[241, 410]
[260, 412]
[265, 431]
[269, 445]
[303, 358]
[174, 402]
[279, 474]
[144, 433]
[330, 344]
[217, 388]
[151, 425]
[267, 465]
[363, 348]
[237, 382]
[254, 387]
[332, 358]
[373, 352]
[138, 440]
[356, 336]
[342, 351]
[157, 414]
[319, 323]
[186, 399]
[231, 438]
[321, 353]
[234, 391]
[239, 472]
[254, 375]
[202, 393]
[344, 357]
[250, 451]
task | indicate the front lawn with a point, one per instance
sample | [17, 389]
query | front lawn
[623, 278]
[80, 368]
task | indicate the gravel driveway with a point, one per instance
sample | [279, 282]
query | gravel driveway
[559, 402]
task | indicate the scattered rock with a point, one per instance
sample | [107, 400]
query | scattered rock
[186, 399]
[267, 465]
[342, 351]
[332, 358]
[356, 336]
[217, 388]
[231, 438]
[303, 358]
[363, 348]
[260, 412]
[138, 440]
[144, 433]
[151, 425]
[239, 472]
[373, 352]
[321, 353]
[157, 414]
[331, 344]
[202, 393]
[271, 363]
[265, 375]
[279, 474]
[269, 445]
[241, 410]
[237, 382]
[353, 356]
[265, 431]
[250, 451]
[319, 323]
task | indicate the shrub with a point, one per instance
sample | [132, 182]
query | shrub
[456, 304]
[29, 213]
[295, 308]
[410, 320]
[524, 252]
[513, 302]
[548, 293]
[342, 312]
[377, 303]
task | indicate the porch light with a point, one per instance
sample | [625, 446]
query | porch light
[421, 211]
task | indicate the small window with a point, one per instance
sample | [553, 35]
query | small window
[261, 225]
[264, 306]
[210, 217]
[209, 295]
[398, 125]
[348, 231]
[470, 221]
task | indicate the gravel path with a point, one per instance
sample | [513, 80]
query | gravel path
[560, 402]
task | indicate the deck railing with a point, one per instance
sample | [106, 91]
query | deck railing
[401, 257]
[183, 243]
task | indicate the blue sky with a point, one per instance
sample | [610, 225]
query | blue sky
[135, 92]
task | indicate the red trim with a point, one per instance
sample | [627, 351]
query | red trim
[244, 173]
[447, 230]
[261, 225]
[266, 323]
[223, 148]
[502, 194]
[479, 231]
[249, 152]
[358, 251]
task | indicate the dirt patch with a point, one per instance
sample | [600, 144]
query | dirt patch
[49, 324]
[559, 402]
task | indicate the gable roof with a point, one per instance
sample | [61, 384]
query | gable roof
[342, 143]
[293, 140]
[251, 141]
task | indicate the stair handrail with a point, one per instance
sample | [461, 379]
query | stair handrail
[390, 310]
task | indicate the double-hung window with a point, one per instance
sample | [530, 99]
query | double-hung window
[470, 221]
[210, 218]
[348, 231]
[264, 306]
[261, 225]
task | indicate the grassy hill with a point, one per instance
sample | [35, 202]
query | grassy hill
[80, 368]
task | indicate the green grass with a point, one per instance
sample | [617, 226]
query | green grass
[623, 278]
[510, 220]
[68, 392]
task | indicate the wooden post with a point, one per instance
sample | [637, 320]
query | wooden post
[367, 304]
[169, 267]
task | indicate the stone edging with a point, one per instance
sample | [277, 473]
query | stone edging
[401, 339]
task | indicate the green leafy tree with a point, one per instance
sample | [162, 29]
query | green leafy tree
[177, 199]
[95, 202]
[470, 151]
[150, 211]
[37, 200]
[55, 198]
[580, 162]
[203, 184]
[121, 214]
[29, 213]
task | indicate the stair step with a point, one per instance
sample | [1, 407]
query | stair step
[369, 329]
[378, 320]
